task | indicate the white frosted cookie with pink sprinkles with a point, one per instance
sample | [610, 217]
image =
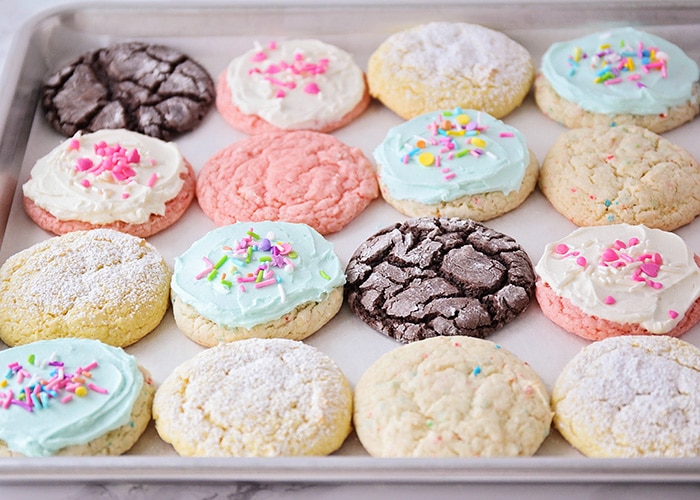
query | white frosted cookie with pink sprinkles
[117, 179]
[292, 85]
[608, 281]
[631, 397]
[100, 284]
[444, 65]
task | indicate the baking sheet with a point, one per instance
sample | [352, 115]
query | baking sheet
[213, 35]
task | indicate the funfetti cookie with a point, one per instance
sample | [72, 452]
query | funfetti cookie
[621, 76]
[626, 174]
[255, 398]
[631, 397]
[429, 276]
[300, 176]
[451, 397]
[152, 89]
[115, 179]
[292, 85]
[455, 163]
[443, 65]
[100, 284]
[263, 279]
[600, 282]
[72, 397]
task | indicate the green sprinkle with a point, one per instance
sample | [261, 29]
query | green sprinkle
[221, 262]
[212, 275]
[253, 235]
[459, 154]
[293, 254]
[429, 423]
[447, 113]
[226, 283]
[324, 275]
[265, 258]
[259, 277]
[249, 255]
[31, 359]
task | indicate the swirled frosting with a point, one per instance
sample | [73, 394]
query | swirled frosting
[621, 71]
[445, 155]
[107, 176]
[296, 84]
[624, 273]
[61, 410]
[246, 274]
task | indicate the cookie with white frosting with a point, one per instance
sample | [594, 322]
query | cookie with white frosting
[263, 279]
[116, 179]
[255, 398]
[301, 84]
[600, 282]
[72, 397]
[100, 284]
[630, 397]
[451, 397]
[621, 76]
[455, 163]
[444, 65]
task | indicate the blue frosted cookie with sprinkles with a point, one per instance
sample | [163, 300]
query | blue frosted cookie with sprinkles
[622, 76]
[72, 397]
[455, 163]
[256, 280]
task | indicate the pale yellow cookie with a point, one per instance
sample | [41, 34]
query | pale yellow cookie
[631, 396]
[443, 65]
[451, 397]
[255, 398]
[611, 175]
[99, 284]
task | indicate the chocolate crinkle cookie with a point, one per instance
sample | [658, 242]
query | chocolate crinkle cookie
[151, 89]
[436, 276]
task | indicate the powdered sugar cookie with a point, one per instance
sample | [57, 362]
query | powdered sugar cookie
[114, 179]
[444, 65]
[255, 398]
[455, 163]
[100, 284]
[631, 397]
[151, 89]
[621, 76]
[627, 174]
[72, 397]
[292, 85]
[427, 277]
[615, 280]
[300, 176]
[262, 279]
[451, 397]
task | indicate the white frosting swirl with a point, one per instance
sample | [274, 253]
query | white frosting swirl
[78, 180]
[624, 273]
[296, 84]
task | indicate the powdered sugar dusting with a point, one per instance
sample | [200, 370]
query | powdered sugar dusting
[632, 396]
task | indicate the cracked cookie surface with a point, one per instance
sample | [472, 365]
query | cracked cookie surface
[436, 276]
[610, 175]
[151, 89]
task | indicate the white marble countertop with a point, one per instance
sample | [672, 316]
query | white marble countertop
[13, 15]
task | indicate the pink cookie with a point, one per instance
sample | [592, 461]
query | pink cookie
[601, 282]
[292, 85]
[114, 179]
[300, 176]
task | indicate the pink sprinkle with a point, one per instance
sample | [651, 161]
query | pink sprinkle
[632, 242]
[67, 398]
[74, 144]
[672, 314]
[619, 244]
[613, 81]
[650, 269]
[265, 283]
[91, 366]
[258, 56]
[450, 176]
[561, 248]
[444, 170]
[98, 389]
[438, 161]
[311, 88]
[640, 85]
[8, 401]
[506, 134]
[280, 93]
[207, 270]
[657, 258]
[581, 261]
[634, 77]
[609, 255]
[133, 156]
[85, 183]
[241, 288]
[609, 300]
[83, 164]
[272, 45]
[125, 196]
[655, 284]
[152, 181]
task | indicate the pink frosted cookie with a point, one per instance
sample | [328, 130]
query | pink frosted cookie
[116, 179]
[299, 176]
[607, 281]
[292, 85]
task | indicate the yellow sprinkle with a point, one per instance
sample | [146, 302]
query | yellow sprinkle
[479, 143]
[81, 391]
[605, 46]
[462, 119]
[3, 383]
[426, 159]
[577, 54]
[456, 132]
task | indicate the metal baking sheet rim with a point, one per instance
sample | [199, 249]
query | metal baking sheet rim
[17, 106]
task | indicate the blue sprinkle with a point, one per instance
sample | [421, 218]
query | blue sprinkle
[476, 371]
